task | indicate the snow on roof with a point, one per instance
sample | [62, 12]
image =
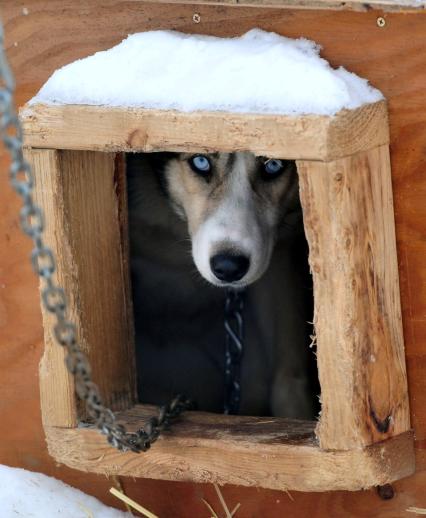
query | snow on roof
[24, 493]
[259, 72]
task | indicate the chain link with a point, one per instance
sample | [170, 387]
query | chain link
[53, 296]
[234, 329]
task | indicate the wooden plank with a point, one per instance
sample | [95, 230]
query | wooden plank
[349, 224]
[249, 451]
[346, 5]
[56, 385]
[81, 195]
[51, 35]
[126, 129]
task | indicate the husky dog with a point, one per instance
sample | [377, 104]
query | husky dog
[233, 220]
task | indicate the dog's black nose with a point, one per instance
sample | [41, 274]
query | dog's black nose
[228, 267]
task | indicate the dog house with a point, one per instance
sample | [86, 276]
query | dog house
[381, 40]
[345, 184]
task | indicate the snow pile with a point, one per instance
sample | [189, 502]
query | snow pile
[24, 493]
[257, 72]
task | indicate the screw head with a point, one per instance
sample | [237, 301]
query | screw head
[386, 492]
[381, 22]
[196, 18]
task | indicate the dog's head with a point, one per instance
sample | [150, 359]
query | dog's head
[233, 204]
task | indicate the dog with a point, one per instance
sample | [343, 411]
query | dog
[202, 222]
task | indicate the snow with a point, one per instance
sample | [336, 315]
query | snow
[259, 72]
[34, 495]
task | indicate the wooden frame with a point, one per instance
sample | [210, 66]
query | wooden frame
[363, 437]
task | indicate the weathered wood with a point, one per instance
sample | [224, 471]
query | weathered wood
[357, 318]
[125, 129]
[349, 5]
[249, 451]
[56, 385]
[348, 38]
[81, 195]
[349, 224]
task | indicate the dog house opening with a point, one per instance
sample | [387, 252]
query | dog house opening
[199, 226]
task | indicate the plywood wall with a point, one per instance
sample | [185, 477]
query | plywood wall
[43, 35]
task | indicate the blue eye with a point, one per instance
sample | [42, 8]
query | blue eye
[273, 167]
[200, 164]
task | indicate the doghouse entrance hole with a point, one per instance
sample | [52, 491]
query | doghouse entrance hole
[179, 316]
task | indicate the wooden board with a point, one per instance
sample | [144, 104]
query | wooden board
[100, 128]
[350, 5]
[349, 223]
[55, 32]
[81, 198]
[250, 451]
[61, 410]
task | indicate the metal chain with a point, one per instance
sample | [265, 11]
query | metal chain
[53, 296]
[234, 329]
[54, 299]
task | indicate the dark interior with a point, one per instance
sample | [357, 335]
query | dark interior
[179, 316]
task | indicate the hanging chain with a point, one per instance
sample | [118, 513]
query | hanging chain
[53, 296]
[234, 306]
[54, 299]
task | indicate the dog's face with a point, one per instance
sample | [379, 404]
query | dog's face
[233, 204]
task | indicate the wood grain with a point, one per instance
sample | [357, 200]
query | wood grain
[348, 213]
[78, 193]
[57, 390]
[363, 330]
[101, 128]
[249, 451]
[56, 32]
[350, 5]
[349, 223]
